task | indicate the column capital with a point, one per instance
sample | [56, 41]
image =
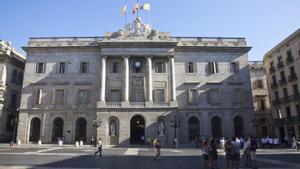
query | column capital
[125, 56]
[171, 56]
[148, 56]
[103, 56]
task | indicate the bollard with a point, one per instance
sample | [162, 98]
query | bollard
[60, 143]
[40, 142]
[19, 142]
[81, 143]
[76, 144]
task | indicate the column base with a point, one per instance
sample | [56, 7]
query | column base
[173, 103]
[149, 103]
[125, 104]
[101, 104]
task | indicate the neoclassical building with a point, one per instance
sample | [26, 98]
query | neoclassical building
[133, 84]
[12, 64]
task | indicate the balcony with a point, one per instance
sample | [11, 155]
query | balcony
[292, 77]
[282, 82]
[280, 65]
[276, 102]
[274, 85]
[272, 69]
[136, 105]
[289, 60]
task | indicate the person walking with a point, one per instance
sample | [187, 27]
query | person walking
[228, 154]
[294, 143]
[246, 153]
[253, 147]
[213, 154]
[236, 145]
[99, 148]
[205, 151]
[157, 147]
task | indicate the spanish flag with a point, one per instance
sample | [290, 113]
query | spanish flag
[146, 7]
[124, 10]
[136, 8]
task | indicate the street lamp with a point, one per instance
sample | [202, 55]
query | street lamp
[174, 123]
[96, 123]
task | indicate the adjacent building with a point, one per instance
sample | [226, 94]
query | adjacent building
[262, 108]
[282, 70]
[12, 66]
[133, 84]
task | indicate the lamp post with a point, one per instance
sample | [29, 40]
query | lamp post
[15, 125]
[174, 123]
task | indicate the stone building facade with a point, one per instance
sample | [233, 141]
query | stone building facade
[262, 109]
[134, 84]
[12, 66]
[282, 70]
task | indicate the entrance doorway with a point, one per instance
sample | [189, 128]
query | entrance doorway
[137, 130]
[35, 126]
[80, 132]
[57, 129]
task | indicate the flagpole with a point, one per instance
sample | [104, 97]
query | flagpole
[125, 13]
[137, 12]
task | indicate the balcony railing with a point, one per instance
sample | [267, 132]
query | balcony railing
[274, 85]
[272, 69]
[282, 82]
[280, 65]
[292, 77]
[113, 104]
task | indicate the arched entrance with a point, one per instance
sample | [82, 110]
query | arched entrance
[217, 129]
[80, 130]
[238, 126]
[137, 130]
[35, 126]
[194, 128]
[57, 129]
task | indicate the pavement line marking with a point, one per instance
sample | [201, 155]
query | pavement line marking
[5, 149]
[132, 151]
[43, 150]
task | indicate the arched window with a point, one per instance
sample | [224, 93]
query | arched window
[238, 126]
[194, 128]
[80, 133]
[35, 126]
[57, 129]
[217, 129]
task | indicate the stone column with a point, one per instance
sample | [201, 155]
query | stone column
[172, 79]
[149, 80]
[103, 78]
[126, 79]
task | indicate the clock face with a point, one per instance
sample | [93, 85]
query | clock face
[137, 64]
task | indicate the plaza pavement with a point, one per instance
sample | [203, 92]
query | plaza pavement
[70, 157]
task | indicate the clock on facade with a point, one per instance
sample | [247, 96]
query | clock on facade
[137, 64]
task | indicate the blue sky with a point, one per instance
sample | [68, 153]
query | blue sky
[264, 23]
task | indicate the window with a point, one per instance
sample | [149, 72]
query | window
[234, 67]
[214, 96]
[282, 75]
[114, 67]
[279, 59]
[192, 96]
[276, 95]
[295, 90]
[213, 67]
[40, 68]
[238, 96]
[292, 71]
[83, 97]
[298, 110]
[137, 95]
[20, 78]
[59, 97]
[289, 54]
[274, 79]
[258, 84]
[115, 95]
[261, 104]
[160, 67]
[14, 76]
[38, 96]
[13, 100]
[288, 112]
[190, 67]
[285, 92]
[62, 68]
[159, 95]
[84, 67]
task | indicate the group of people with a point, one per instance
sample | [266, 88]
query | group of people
[232, 148]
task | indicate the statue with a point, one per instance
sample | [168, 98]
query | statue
[113, 128]
[161, 128]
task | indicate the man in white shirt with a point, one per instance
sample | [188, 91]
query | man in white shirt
[99, 148]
